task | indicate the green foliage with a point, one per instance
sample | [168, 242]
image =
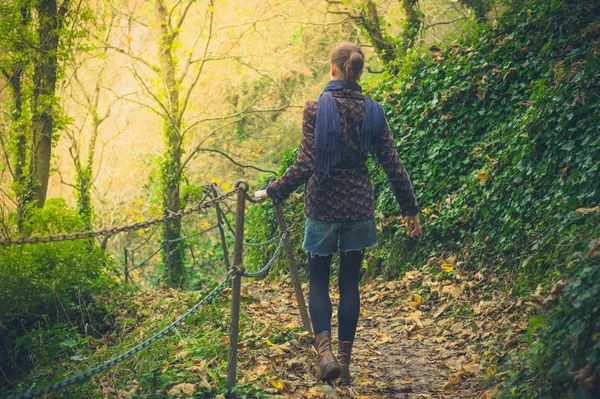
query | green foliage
[516, 164]
[500, 133]
[49, 290]
[196, 354]
[564, 343]
[37, 39]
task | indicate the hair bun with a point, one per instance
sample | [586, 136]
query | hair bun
[354, 65]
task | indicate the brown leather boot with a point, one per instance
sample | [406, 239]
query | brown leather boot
[344, 352]
[327, 366]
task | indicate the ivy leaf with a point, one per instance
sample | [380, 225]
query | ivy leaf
[69, 343]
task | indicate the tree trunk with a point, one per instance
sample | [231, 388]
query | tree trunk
[171, 176]
[21, 181]
[480, 7]
[413, 23]
[85, 172]
[370, 21]
[44, 80]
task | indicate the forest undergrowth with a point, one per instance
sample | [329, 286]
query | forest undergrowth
[435, 333]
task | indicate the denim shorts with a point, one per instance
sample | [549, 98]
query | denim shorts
[325, 238]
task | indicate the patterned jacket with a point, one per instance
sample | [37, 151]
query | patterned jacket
[347, 194]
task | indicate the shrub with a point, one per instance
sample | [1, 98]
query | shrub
[51, 291]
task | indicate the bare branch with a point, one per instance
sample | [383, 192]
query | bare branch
[206, 46]
[233, 161]
[6, 156]
[185, 11]
[342, 21]
[236, 114]
[446, 22]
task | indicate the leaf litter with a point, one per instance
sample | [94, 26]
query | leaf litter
[435, 333]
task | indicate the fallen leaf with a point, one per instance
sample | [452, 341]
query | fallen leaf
[185, 388]
[408, 380]
[454, 381]
[417, 300]
[278, 384]
[588, 211]
[439, 311]
[447, 267]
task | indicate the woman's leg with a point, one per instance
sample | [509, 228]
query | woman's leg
[319, 303]
[349, 306]
[348, 310]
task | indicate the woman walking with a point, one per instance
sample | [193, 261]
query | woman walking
[338, 133]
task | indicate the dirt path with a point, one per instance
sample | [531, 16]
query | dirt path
[406, 347]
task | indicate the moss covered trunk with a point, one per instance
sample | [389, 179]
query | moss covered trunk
[171, 165]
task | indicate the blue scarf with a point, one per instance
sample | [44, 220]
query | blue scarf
[328, 129]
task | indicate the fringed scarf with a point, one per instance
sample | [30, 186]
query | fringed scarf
[328, 129]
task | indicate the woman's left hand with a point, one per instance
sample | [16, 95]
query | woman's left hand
[261, 195]
[415, 230]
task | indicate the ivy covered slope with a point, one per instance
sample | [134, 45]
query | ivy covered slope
[500, 133]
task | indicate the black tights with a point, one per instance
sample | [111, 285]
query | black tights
[319, 302]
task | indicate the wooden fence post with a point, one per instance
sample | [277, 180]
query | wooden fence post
[168, 249]
[238, 265]
[125, 269]
[293, 267]
[222, 234]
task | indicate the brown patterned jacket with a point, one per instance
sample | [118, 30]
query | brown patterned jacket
[347, 194]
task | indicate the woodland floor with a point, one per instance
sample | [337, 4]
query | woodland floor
[436, 333]
[421, 337]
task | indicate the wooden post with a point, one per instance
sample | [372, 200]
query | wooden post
[168, 249]
[125, 270]
[222, 234]
[293, 267]
[238, 264]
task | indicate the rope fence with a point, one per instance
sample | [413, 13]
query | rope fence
[121, 229]
[235, 271]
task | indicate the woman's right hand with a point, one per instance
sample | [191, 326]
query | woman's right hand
[416, 225]
[261, 195]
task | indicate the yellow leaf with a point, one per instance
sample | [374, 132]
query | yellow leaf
[129, 38]
[278, 384]
[454, 381]
[215, 180]
[417, 301]
[211, 9]
[226, 186]
[482, 176]
[446, 267]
